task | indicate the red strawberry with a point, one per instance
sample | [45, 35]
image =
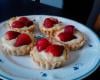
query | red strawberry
[42, 44]
[64, 36]
[23, 19]
[49, 22]
[11, 35]
[69, 29]
[55, 50]
[17, 24]
[54, 20]
[23, 39]
[26, 21]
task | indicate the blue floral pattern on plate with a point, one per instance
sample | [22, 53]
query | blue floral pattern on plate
[77, 66]
[1, 61]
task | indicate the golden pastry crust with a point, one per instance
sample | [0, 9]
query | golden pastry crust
[73, 44]
[47, 61]
[49, 32]
[24, 50]
[24, 29]
[9, 48]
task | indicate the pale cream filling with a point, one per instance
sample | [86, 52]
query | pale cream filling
[8, 44]
[24, 28]
[47, 56]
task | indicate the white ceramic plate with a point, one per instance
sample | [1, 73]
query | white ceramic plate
[81, 63]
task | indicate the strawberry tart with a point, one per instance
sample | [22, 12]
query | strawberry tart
[15, 43]
[48, 55]
[21, 24]
[49, 25]
[71, 37]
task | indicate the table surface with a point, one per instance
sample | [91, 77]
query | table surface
[7, 12]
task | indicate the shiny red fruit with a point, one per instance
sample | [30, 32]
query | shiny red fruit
[50, 22]
[23, 39]
[28, 23]
[42, 44]
[55, 50]
[11, 35]
[17, 24]
[23, 19]
[69, 29]
[65, 36]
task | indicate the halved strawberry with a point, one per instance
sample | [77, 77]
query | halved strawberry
[17, 24]
[23, 39]
[55, 50]
[23, 19]
[69, 29]
[64, 36]
[26, 21]
[11, 35]
[50, 22]
[54, 20]
[42, 44]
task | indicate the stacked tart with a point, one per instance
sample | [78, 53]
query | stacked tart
[49, 52]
